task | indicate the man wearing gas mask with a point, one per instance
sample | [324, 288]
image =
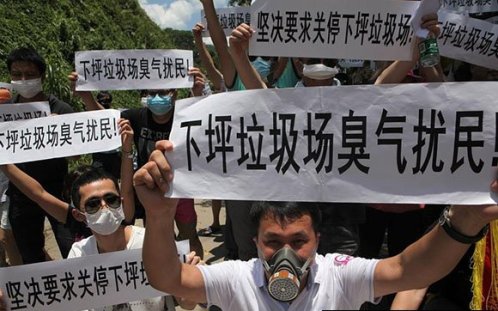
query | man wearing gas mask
[289, 275]
[27, 71]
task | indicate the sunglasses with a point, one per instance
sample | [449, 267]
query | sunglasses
[153, 93]
[111, 200]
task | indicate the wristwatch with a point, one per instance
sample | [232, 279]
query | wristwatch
[444, 221]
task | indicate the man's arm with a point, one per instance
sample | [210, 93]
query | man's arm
[86, 96]
[35, 192]
[164, 270]
[434, 255]
[213, 74]
[126, 174]
[239, 43]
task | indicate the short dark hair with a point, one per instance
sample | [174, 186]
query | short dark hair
[285, 212]
[90, 175]
[27, 54]
[104, 98]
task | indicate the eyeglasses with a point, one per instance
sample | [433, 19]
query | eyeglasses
[94, 204]
[153, 93]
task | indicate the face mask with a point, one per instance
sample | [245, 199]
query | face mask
[143, 101]
[263, 67]
[27, 88]
[106, 221]
[286, 271]
[319, 72]
[160, 105]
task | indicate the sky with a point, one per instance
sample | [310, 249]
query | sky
[176, 14]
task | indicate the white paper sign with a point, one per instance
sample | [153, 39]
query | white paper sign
[24, 111]
[59, 136]
[80, 283]
[229, 18]
[471, 6]
[376, 30]
[133, 69]
[468, 39]
[409, 143]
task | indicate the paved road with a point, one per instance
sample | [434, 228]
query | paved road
[214, 250]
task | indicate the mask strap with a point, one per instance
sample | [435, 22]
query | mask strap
[308, 262]
[265, 263]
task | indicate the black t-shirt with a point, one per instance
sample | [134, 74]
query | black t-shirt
[49, 173]
[146, 132]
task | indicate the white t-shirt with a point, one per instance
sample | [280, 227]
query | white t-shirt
[88, 246]
[4, 184]
[335, 282]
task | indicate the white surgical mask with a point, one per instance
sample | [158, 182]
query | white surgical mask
[27, 88]
[106, 221]
[319, 71]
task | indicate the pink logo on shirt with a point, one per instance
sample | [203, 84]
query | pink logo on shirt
[342, 260]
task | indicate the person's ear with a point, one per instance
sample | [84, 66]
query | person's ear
[78, 215]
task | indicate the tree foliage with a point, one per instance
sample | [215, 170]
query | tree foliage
[59, 28]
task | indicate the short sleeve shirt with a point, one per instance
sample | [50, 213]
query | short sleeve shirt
[335, 282]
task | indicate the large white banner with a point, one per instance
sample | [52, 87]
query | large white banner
[468, 39]
[408, 143]
[133, 69]
[358, 29]
[229, 18]
[24, 111]
[471, 6]
[59, 136]
[80, 283]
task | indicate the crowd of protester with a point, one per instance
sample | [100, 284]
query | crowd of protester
[388, 236]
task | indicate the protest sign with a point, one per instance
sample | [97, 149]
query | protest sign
[375, 30]
[468, 39]
[470, 6]
[229, 18]
[133, 69]
[59, 136]
[24, 111]
[409, 143]
[80, 283]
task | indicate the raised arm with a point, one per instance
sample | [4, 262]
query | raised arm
[86, 96]
[435, 254]
[397, 71]
[239, 43]
[212, 72]
[35, 192]
[127, 192]
[220, 43]
[164, 270]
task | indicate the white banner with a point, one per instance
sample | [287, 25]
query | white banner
[133, 69]
[14, 112]
[59, 136]
[80, 283]
[408, 143]
[229, 18]
[358, 29]
[468, 39]
[471, 6]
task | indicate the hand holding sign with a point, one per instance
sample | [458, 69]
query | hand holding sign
[152, 182]
[239, 39]
[2, 302]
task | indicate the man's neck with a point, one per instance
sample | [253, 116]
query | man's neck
[113, 242]
[40, 97]
[163, 119]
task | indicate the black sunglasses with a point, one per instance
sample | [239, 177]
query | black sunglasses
[253, 58]
[93, 204]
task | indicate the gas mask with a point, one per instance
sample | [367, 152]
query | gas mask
[106, 221]
[27, 88]
[319, 72]
[286, 271]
